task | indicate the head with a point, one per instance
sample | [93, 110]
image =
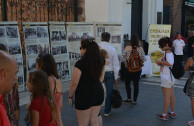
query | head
[105, 36]
[134, 41]
[92, 58]
[165, 43]
[104, 53]
[8, 72]
[178, 35]
[46, 63]
[38, 84]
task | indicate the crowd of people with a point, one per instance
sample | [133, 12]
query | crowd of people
[94, 75]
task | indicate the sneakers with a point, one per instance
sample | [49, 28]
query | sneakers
[126, 101]
[107, 115]
[191, 123]
[172, 115]
[160, 116]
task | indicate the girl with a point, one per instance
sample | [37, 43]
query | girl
[46, 63]
[167, 79]
[42, 109]
[86, 84]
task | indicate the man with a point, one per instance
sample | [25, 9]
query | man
[178, 45]
[111, 70]
[8, 76]
[191, 44]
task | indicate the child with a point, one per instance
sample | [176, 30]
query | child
[167, 79]
[42, 109]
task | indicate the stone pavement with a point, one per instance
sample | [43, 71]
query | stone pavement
[150, 102]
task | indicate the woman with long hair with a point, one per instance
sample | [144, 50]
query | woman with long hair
[167, 79]
[86, 84]
[42, 109]
[132, 75]
[46, 63]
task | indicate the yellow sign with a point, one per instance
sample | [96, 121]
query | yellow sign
[156, 33]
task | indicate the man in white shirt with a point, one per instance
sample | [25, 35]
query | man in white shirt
[111, 70]
[178, 45]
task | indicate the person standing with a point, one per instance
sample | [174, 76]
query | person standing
[178, 45]
[8, 77]
[111, 70]
[167, 78]
[134, 73]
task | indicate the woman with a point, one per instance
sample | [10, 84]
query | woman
[86, 84]
[132, 75]
[11, 100]
[46, 63]
[167, 79]
[42, 109]
[190, 85]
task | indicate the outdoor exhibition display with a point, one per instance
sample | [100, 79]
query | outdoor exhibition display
[59, 49]
[155, 33]
[115, 30]
[77, 31]
[36, 42]
[9, 36]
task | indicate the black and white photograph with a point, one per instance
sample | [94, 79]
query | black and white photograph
[65, 65]
[73, 37]
[116, 39]
[72, 56]
[43, 48]
[30, 33]
[20, 79]
[12, 32]
[85, 35]
[31, 64]
[65, 74]
[59, 65]
[58, 36]
[63, 49]
[31, 49]
[62, 35]
[20, 62]
[77, 56]
[100, 30]
[56, 50]
[14, 48]
[2, 32]
[42, 32]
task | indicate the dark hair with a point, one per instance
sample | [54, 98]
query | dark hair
[105, 36]
[47, 63]
[3, 47]
[165, 40]
[40, 82]
[92, 59]
[134, 41]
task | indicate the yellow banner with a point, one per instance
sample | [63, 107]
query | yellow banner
[157, 32]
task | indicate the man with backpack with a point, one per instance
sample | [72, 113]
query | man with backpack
[133, 57]
[111, 70]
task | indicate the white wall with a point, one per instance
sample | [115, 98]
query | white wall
[97, 10]
[115, 10]
[150, 9]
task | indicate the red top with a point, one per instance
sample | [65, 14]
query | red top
[3, 115]
[44, 111]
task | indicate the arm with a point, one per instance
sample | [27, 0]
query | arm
[165, 63]
[188, 64]
[58, 117]
[34, 118]
[51, 83]
[74, 82]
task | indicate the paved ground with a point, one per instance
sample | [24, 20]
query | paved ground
[150, 102]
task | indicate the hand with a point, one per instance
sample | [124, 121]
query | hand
[158, 62]
[71, 102]
[115, 84]
[28, 106]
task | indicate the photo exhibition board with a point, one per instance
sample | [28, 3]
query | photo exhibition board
[115, 30]
[155, 33]
[77, 31]
[9, 36]
[36, 39]
[59, 49]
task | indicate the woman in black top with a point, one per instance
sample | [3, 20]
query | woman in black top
[86, 84]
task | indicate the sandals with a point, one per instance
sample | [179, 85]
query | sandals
[134, 103]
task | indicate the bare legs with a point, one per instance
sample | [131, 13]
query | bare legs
[169, 99]
[89, 116]
[192, 106]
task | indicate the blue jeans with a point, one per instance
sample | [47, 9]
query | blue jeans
[109, 83]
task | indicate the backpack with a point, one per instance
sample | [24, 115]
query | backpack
[177, 69]
[135, 63]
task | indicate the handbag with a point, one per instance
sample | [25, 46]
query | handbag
[116, 99]
[185, 87]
